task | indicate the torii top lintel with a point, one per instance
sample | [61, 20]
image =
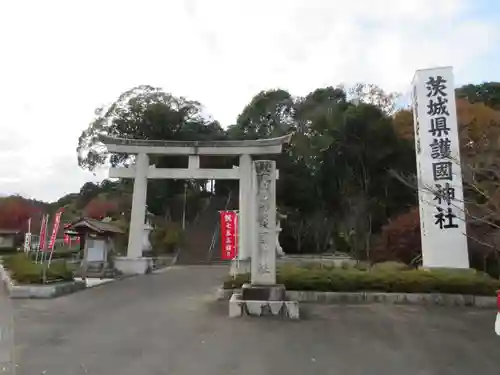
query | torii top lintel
[237, 147]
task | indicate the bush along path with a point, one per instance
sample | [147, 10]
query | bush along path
[388, 279]
[23, 270]
[23, 278]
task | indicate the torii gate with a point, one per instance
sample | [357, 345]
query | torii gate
[134, 262]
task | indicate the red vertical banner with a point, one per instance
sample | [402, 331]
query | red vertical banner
[228, 225]
[55, 229]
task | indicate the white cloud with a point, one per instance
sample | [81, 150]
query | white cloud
[60, 60]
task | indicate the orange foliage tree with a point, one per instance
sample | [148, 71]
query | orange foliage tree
[15, 212]
[99, 208]
[403, 124]
[399, 239]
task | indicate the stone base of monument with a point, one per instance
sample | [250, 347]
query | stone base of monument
[263, 300]
[239, 267]
[133, 266]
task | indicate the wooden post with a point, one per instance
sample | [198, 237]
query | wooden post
[84, 262]
[105, 262]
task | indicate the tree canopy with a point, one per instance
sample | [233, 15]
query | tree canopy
[487, 93]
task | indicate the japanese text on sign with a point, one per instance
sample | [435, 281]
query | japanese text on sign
[228, 224]
[442, 166]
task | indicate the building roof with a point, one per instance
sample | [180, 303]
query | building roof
[94, 225]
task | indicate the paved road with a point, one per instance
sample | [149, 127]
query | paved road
[7, 363]
[169, 324]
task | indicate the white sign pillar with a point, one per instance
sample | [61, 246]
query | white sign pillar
[440, 189]
[138, 214]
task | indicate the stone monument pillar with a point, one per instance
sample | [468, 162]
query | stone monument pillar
[264, 257]
[263, 296]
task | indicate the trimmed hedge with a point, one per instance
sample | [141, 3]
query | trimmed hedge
[380, 280]
[24, 271]
[8, 250]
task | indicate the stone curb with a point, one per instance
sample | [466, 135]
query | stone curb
[161, 270]
[118, 278]
[39, 291]
[429, 299]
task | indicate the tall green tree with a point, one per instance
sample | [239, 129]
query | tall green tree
[487, 93]
[355, 173]
[146, 112]
[334, 181]
[269, 114]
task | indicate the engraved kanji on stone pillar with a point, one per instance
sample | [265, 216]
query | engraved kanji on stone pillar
[264, 259]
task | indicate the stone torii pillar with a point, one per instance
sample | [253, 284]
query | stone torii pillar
[138, 214]
[245, 215]
[248, 223]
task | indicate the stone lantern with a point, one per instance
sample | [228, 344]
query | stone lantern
[148, 227]
[279, 249]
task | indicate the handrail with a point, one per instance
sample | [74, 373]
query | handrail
[212, 243]
[216, 230]
[228, 200]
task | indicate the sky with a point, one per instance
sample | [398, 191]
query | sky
[60, 60]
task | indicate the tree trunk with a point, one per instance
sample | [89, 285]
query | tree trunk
[368, 237]
[497, 256]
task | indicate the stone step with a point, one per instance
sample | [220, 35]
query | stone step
[199, 236]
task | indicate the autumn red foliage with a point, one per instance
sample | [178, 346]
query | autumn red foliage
[15, 212]
[400, 239]
[99, 208]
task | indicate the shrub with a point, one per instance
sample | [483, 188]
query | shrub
[166, 237]
[60, 271]
[380, 279]
[399, 240]
[317, 265]
[8, 251]
[390, 266]
[24, 271]
[363, 266]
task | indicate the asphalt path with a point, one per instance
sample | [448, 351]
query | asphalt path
[170, 323]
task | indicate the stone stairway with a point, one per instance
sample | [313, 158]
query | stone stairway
[199, 234]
